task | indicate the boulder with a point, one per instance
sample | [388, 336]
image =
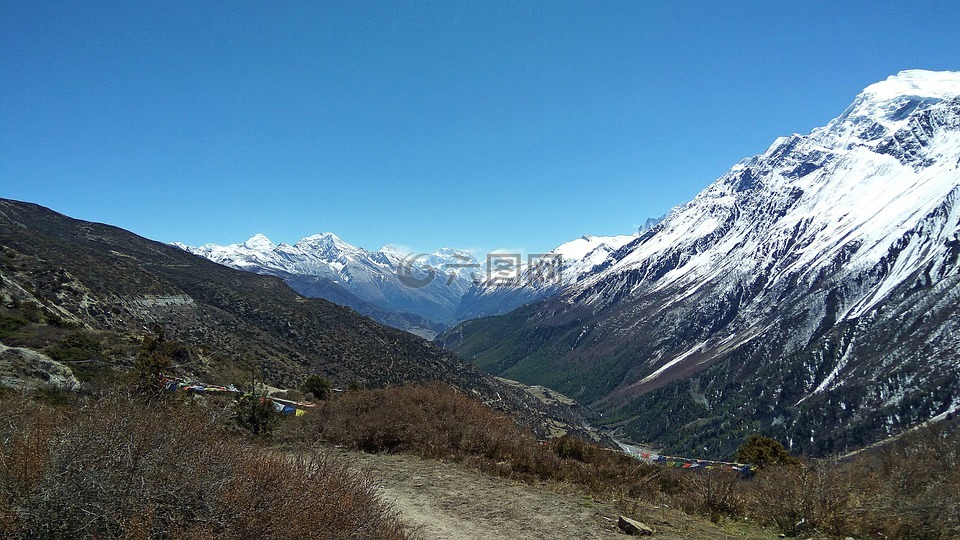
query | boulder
[29, 369]
[633, 527]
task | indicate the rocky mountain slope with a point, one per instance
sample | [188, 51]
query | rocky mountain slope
[99, 277]
[811, 292]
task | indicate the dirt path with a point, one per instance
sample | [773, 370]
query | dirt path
[448, 501]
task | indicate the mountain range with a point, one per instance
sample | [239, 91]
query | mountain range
[98, 290]
[810, 293]
[420, 293]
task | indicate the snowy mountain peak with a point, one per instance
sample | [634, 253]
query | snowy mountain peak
[452, 252]
[393, 249]
[812, 290]
[887, 106]
[259, 242]
[322, 239]
[916, 83]
[576, 250]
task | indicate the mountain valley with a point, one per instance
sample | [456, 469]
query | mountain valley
[810, 293]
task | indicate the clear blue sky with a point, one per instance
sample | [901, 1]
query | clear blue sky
[514, 124]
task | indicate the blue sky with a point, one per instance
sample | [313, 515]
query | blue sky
[480, 125]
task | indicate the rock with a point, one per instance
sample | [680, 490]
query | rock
[28, 369]
[633, 527]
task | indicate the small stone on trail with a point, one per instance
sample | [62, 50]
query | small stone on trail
[633, 527]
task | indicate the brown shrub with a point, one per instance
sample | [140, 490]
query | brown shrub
[122, 468]
[798, 499]
[714, 493]
[911, 488]
[434, 420]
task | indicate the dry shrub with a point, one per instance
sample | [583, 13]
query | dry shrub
[434, 420]
[123, 468]
[608, 472]
[715, 493]
[910, 489]
[801, 498]
[305, 497]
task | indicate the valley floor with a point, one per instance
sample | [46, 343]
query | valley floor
[450, 501]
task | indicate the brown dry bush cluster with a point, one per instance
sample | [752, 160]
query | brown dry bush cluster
[124, 468]
[434, 420]
[910, 490]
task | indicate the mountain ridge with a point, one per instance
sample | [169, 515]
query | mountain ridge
[101, 278]
[420, 293]
[781, 271]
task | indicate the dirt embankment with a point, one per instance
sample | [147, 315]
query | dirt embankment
[451, 502]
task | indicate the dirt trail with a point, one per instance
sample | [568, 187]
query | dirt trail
[448, 501]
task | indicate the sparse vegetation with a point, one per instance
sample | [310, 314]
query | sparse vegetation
[10, 324]
[434, 420]
[120, 468]
[907, 491]
[199, 477]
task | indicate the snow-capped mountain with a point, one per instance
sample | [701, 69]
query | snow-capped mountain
[811, 292]
[421, 293]
[418, 293]
[518, 282]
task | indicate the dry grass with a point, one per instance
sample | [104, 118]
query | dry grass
[120, 468]
[801, 498]
[908, 490]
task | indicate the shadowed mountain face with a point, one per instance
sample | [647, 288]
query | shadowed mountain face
[106, 278]
[811, 292]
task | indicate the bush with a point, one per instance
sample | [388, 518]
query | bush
[76, 346]
[714, 493]
[10, 324]
[317, 385]
[763, 451]
[431, 420]
[799, 499]
[910, 489]
[123, 468]
[256, 414]
[434, 420]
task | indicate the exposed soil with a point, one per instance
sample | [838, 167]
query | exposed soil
[450, 501]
